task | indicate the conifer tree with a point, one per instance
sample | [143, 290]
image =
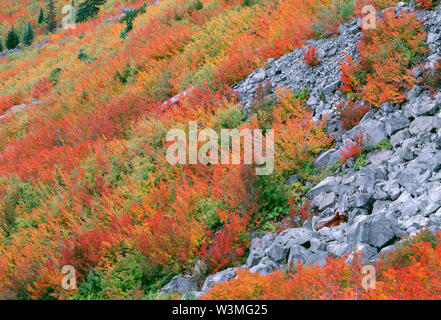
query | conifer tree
[51, 18]
[41, 16]
[28, 35]
[12, 40]
[1, 45]
[88, 9]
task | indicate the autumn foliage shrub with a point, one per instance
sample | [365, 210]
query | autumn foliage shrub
[432, 78]
[297, 215]
[388, 54]
[42, 88]
[417, 278]
[351, 112]
[352, 149]
[426, 4]
[310, 56]
[85, 250]
[331, 17]
[297, 137]
[335, 280]
[8, 101]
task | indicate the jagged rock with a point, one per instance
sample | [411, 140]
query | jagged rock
[18, 107]
[326, 185]
[427, 107]
[293, 236]
[432, 37]
[254, 258]
[279, 249]
[221, 276]
[375, 230]
[296, 254]
[438, 143]
[387, 249]
[257, 249]
[416, 222]
[180, 283]
[434, 201]
[126, 9]
[266, 266]
[393, 125]
[364, 200]
[327, 158]
[435, 219]
[424, 124]
[379, 158]
[435, 162]
[396, 192]
[325, 200]
[6, 52]
[364, 251]
[276, 252]
[292, 179]
[373, 130]
[338, 249]
[323, 79]
[399, 137]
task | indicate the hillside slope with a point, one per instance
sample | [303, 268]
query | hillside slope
[84, 178]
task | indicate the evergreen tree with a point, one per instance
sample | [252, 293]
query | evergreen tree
[88, 9]
[12, 40]
[51, 18]
[41, 16]
[129, 18]
[28, 35]
[1, 45]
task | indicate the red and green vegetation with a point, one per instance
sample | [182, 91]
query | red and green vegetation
[83, 174]
[411, 272]
[388, 55]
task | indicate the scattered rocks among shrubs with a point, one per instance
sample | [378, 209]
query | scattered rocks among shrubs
[371, 203]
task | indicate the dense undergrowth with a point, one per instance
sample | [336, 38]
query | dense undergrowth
[83, 174]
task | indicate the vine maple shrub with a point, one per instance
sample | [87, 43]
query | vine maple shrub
[351, 112]
[352, 149]
[310, 56]
[426, 4]
[388, 55]
[432, 78]
[297, 137]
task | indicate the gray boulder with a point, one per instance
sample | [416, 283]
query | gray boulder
[221, 276]
[180, 283]
[375, 230]
[326, 185]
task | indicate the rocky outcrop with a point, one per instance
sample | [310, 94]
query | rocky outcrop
[290, 72]
[20, 107]
[7, 51]
[398, 190]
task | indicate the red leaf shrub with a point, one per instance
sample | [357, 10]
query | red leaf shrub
[352, 149]
[42, 88]
[426, 4]
[388, 54]
[351, 113]
[310, 56]
[432, 78]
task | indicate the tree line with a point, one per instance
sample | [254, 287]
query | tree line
[48, 18]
